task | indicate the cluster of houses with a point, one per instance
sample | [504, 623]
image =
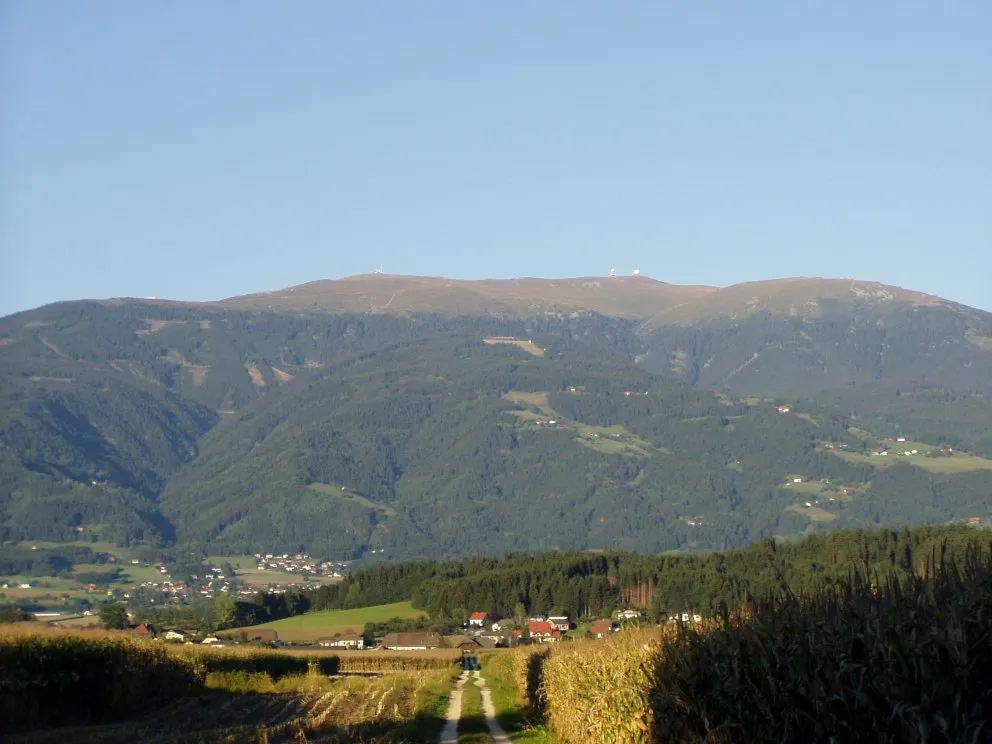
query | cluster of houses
[189, 637]
[482, 631]
[300, 563]
[216, 581]
[209, 587]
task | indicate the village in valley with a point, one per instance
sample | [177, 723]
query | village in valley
[484, 630]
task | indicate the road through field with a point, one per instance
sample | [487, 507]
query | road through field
[450, 733]
[498, 734]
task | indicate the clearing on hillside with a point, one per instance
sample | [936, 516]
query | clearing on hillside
[949, 465]
[345, 493]
[255, 374]
[529, 346]
[952, 464]
[815, 513]
[535, 400]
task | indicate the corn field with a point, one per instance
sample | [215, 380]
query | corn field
[383, 710]
[874, 660]
[528, 672]
[52, 678]
[600, 691]
[252, 660]
[377, 662]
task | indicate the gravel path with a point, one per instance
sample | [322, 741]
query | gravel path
[450, 733]
[497, 732]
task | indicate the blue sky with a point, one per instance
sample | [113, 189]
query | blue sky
[200, 150]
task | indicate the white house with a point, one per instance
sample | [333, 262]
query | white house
[174, 635]
[349, 640]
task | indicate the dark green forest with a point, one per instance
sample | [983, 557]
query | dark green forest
[217, 430]
[594, 584]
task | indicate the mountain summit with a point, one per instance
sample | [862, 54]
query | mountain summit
[635, 297]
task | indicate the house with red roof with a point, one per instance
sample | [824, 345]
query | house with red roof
[478, 619]
[601, 628]
[543, 632]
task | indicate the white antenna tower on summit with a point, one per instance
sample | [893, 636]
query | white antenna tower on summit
[613, 273]
[377, 271]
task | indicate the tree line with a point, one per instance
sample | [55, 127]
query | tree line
[589, 585]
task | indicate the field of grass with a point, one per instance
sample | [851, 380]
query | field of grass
[958, 463]
[815, 513]
[41, 586]
[826, 491]
[612, 447]
[512, 712]
[810, 488]
[78, 622]
[346, 494]
[953, 464]
[534, 400]
[614, 435]
[879, 463]
[313, 625]
[610, 440]
[238, 562]
[256, 577]
[122, 554]
[139, 574]
[529, 346]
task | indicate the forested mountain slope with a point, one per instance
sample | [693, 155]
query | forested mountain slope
[227, 425]
[448, 447]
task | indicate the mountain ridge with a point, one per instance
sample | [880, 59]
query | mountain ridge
[636, 297]
[166, 421]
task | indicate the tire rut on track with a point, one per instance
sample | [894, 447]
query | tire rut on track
[450, 733]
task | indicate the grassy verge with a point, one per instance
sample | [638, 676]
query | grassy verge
[472, 728]
[431, 705]
[512, 711]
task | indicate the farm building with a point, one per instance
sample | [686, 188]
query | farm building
[349, 640]
[411, 641]
[478, 619]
